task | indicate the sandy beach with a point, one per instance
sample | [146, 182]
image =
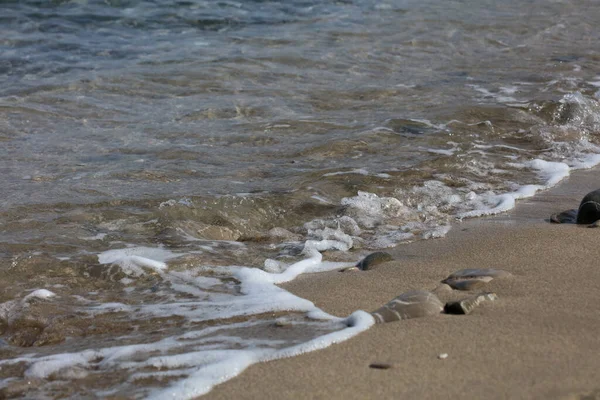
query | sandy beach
[538, 340]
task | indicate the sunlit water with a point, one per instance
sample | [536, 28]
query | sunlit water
[165, 164]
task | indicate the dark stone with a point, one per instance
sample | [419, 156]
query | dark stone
[565, 217]
[381, 365]
[469, 279]
[589, 209]
[413, 304]
[373, 259]
[465, 306]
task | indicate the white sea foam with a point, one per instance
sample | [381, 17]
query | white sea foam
[99, 236]
[39, 294]
[13, 308]
[132, 260]
[210, 358]
[369, 209]
[360, 171]
[495, 96]
[491, 203]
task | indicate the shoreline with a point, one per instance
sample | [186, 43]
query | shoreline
[538, 340]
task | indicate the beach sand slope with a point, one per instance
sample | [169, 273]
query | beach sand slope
[540, 339]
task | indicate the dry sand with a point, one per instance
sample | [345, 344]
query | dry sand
[539, 340]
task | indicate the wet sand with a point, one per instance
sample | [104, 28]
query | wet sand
[540, 339]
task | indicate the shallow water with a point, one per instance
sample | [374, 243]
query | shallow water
[203, 137]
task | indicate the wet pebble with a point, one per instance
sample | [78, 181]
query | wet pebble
[470, 279]
[589, 208]
[374, 259]
[465, 306]
[565, 217]
[413, 304]
[587, 213]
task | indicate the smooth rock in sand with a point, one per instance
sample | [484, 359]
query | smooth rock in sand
[374, 259]
[588, 212]
[465, 306]
[442, 289]
[589, 208]
[565, 217]
[470, 279]
[382, 365]
[413, 304]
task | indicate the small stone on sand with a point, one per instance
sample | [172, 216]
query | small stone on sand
[465, 306]
[470, 279]
[413, 304]
[443, 356]
[381, 365]
[373, 259]
[589, 208]
[565, 217]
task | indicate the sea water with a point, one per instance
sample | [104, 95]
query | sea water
[165, 165]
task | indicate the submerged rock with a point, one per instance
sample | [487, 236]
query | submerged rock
[465, 306]
[470, 279]
[413, 304]
[374, 259]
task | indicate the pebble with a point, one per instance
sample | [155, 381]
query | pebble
[374, 259]
[442, 289]
[443, 356]
[565, 217]
[465, 306]
[589, 208]
[469, 284]
[470, 279]
[588, 212]
[381, 365]
[413, 304]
